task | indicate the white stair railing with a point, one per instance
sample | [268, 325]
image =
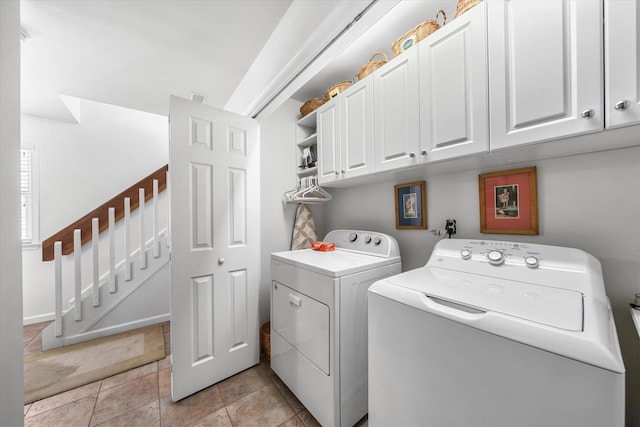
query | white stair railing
[95, 250]
[111, 282]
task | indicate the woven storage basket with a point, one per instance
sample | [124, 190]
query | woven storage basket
[336, 89]
[372, 65]
[413, 36]
[464, 5]
[311, 105]
[265, 338]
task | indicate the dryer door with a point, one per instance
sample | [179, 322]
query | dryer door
[303, 322]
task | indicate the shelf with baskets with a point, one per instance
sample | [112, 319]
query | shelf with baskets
[306, 145]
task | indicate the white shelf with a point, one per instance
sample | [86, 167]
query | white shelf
[307, 172]
[308, 141]
[308, 121]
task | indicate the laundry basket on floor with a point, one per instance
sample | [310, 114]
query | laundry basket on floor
[265, 339]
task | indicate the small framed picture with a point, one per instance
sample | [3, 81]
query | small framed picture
[411, 205]
[509, 201]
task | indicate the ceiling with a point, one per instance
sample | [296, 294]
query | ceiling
[239, 54]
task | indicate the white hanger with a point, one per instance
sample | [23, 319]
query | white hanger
[308, 192]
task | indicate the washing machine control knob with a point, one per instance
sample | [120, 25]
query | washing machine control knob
[495, 257]
[377, 241]
[367, 239]
[532, 262]
[465, 254]
[353, 237]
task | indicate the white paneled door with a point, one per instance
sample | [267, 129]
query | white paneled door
[215, 260]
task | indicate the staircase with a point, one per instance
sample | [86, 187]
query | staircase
[116, 285]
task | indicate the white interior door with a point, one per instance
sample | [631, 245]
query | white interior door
[215, 260]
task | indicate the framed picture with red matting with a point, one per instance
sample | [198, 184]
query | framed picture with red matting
[509, 201]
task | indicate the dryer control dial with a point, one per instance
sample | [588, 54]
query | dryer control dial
[377, 241]
[495, 257]
[532, 262]
[465, 254]
[367, 239]
[353, 237]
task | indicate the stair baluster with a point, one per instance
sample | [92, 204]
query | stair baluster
[57, 256]
[168, 190]
[143, 252]
[77, 261]
[112, 250]
[95, 248]
[156, 245]
[127, 239]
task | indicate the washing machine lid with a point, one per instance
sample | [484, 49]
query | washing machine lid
[559, 308]
[337, 263]
[561, 321]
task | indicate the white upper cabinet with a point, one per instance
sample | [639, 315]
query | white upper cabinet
[356, 129]
[454, 114]
[328, 126]
[622, 53]
[397, 127]
[545, 70]
[345, 134]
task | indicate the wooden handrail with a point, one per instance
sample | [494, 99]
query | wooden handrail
[102, 213]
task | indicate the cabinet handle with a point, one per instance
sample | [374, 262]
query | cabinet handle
[337, 173]
[220, 261]
[342, 171]
[412, 155]
[294, 300]
[620, 105]
[423, 152]
[587, 114]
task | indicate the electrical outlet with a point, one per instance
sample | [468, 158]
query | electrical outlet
[450, 227]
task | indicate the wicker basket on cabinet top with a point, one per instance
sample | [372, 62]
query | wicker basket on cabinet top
[311, 105]
[336, 89]
[416, 34]
[372, 65]
[464, 5]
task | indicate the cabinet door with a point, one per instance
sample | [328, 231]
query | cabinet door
[545, 70]
[328, 129]
[622, 53]
[396, 113]
[454, 117]
[356, 129]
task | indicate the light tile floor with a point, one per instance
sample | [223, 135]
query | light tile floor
[142, 397]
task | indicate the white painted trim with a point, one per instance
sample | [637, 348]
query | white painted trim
[124, 327]
[270, 103]
[122, 296]
[282, 59]
[118, 268]
[47, 317]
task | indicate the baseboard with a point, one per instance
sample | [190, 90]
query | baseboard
[116, 329]
[38, 319]
[112, 330]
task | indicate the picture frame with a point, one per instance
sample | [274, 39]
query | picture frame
[411, 205]
[509, 201]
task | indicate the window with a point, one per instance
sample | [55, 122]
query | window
[29, 197]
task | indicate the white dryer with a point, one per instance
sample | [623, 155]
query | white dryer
[319, 321]
[495, 334]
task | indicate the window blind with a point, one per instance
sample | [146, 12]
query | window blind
[26, 194]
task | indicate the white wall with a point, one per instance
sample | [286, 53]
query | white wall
[589, 201]
[11, 348]
[82, 166]
[277, 171]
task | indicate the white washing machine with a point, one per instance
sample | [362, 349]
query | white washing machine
[495, 334]
[319, 321]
